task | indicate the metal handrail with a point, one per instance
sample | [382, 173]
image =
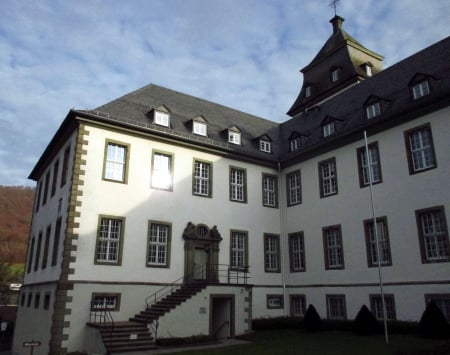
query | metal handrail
[219, 328]
[237, 274]
[104, 316]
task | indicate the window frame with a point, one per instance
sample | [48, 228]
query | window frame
[208, 180]
[65, 166]
[377, 309]
[275, 297]
[56, 240]
[292, 306]
[120, 240]
[301, 253]
[328, 129]
[420, 89]
[48, 234]
[373, 110]
[372, 254]
[161, 118]
[331, 312]
[265, 146]
[430, 149]
[363, 167]
[437, 298]
[242, 251]
[117, 296]
[234, 137]
[38, 251]
[167, 245]
[276, 253]
[46, 187]
[200, 128]
[295, 190]
[308, 91]
[339, 248]
[269, 195]
[123, 179]
[333, 179]
[55, 177]
[154, 184]
[440, 210]
[237, 188]
[335, 74]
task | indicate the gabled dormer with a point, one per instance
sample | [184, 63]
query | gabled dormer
[375, 106]
[199, 126]
[420, 85]
[330, 125]
[234, 135]
[265, 143]
[160, 116]
[341, 63]
[296, 140]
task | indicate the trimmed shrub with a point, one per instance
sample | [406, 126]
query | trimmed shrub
[433, 323]
[276, 323]
[312, 321]
[195, 339]
[365, 322]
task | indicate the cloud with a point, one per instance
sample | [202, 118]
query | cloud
[55, 55]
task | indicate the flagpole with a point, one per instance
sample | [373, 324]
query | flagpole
[375, 228]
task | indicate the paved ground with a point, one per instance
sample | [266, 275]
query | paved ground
[222, 343]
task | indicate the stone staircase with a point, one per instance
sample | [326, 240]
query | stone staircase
[164, 305]
[134, 335]
[125, 336]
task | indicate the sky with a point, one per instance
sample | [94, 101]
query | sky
[246, 54]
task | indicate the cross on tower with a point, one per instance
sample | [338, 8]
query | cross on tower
[333, 4]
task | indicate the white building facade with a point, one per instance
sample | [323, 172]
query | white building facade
[159, 189]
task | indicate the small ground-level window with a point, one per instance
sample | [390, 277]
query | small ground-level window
[105, 301]
[274, 301]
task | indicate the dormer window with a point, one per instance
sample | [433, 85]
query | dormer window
[373, 110]
[294, 144]
[368, 70]
[308, 91]
[420, 89]
[296, 140]
[234, 135]
[264, 146]
[328, 129]
[335, 74]
[199, 126]
[161, 118]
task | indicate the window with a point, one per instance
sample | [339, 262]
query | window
[47, 301]
[30, 255]
[369, 171]
[46, 184]
[37, 300]
[55, 177]
[202, 179]
[105, 301]
[158, 251]
[328, 129]
[264, 146]
[308, 91]
[271, 253]
[368, 69]
[433, 235]
[238, 250]
[295, 144]
[162, 171]
[46, 246]
[22, 299]
[336, 307]
[29, 299]
[334, 251]
[56, 242]
[420, 149]
[373, 110]
[200, 128]
[442, 301]
[297, 252]
[294, 188]
[109, 241]
[161, 118]
[115, 167]
[420, 89]
[234, 137]
[298, 305]
[328, 177]
[274, 301]
[335, 75]
[38, 251]
[238, 185]
[383, 242]
[376, 306]
[38, 194]
[270, 190]
[65, 167]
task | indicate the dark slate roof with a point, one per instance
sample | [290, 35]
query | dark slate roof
[392, 85]
[134, 109]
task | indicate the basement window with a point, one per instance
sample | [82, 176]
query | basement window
[105, 301]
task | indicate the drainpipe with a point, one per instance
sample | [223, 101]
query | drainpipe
[280, 206]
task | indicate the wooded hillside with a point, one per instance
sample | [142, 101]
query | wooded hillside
[16, 206]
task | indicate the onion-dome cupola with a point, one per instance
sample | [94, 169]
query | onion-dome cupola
[341, 63]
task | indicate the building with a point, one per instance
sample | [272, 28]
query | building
[159, 189]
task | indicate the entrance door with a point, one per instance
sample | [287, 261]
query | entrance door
[200, 264]
[222, 317]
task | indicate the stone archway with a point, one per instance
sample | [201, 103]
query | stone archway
[201, 253]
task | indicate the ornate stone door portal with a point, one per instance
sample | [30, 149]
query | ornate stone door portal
[201, 253]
